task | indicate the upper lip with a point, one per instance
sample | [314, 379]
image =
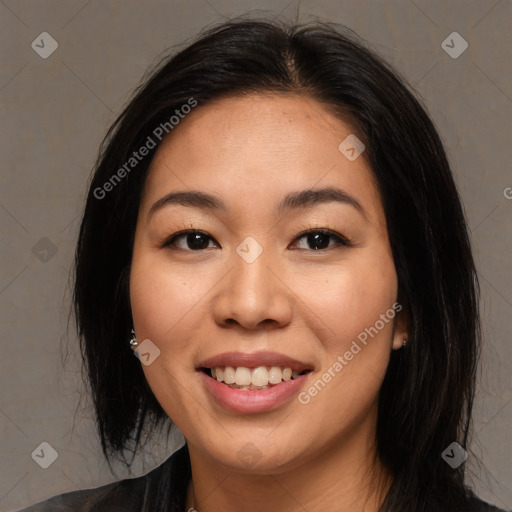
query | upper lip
[253, 360]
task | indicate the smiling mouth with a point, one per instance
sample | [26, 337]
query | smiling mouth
[252, 379]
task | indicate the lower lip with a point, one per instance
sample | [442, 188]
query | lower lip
[253, 401]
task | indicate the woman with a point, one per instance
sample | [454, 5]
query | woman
[274, 219]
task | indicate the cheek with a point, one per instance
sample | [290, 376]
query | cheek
[351, 301]
[166, 308]
[163, 298]
[358, 342]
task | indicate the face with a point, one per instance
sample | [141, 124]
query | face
[276, 259]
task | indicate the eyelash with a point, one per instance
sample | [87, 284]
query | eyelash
[340, 240]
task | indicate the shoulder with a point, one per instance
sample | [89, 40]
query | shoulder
[131, 494]
[107, 497]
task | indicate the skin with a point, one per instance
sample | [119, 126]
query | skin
[309, 304]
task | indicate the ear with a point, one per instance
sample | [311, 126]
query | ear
[401, 331]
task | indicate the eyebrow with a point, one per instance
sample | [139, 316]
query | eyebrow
[311, 197]
[303, 199]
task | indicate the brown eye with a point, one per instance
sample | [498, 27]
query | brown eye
[190, 240]
[320, 239]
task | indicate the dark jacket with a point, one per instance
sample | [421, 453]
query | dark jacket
[161, 490]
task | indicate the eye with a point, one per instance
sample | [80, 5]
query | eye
[192, 240]
[313, 239]
[320, 239]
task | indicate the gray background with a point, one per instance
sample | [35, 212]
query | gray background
[54, 113]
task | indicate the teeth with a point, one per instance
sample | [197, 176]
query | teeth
[242, 376]
[247, 378]
[229, 375]
[275, 375]
[260, 376]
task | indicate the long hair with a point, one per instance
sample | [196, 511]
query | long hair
[426, 398]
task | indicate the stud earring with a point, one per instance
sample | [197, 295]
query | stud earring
[133, 341]
[404, 342]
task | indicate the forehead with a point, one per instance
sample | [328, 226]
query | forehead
[254, 149]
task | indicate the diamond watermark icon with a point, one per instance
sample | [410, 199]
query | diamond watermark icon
[147, 352]
[351, 147]
[44, 45]
[249, 455]
[454, 45]
[45, 455]
[249, 250]
[44, 250]
[454, 455]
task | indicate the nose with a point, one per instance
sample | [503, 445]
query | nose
[252, 296]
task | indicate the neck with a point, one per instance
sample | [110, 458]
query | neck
[345, 476]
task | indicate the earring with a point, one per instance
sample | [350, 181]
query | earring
[404, 342]
[133, 341]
